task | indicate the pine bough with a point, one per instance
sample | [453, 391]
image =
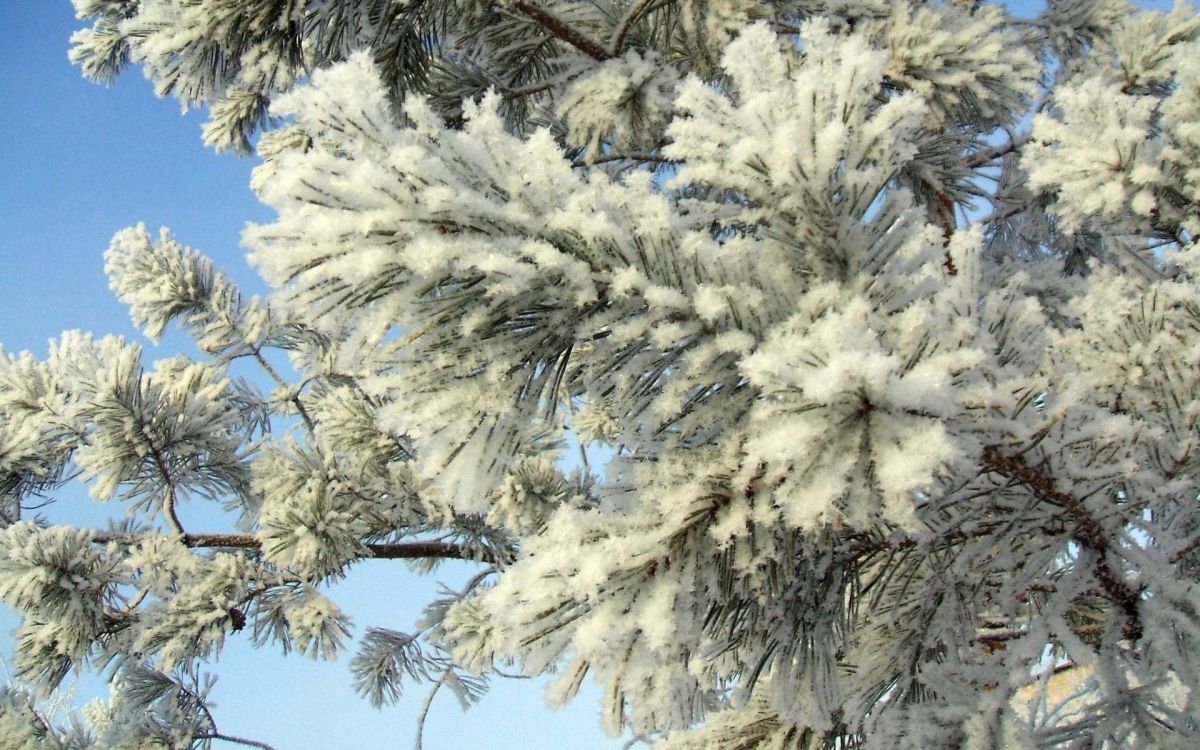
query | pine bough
[878, 323]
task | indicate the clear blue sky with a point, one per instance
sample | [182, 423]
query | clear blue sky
[79, 162]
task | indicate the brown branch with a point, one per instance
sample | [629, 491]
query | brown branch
[638, 157]
[1186, 550]
[1088, 533]
[1002, 635]
[395, 551]
[422, 550]
[560, 29]
[638, 10]
[944, 210]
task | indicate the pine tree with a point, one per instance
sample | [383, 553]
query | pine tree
[876, 325]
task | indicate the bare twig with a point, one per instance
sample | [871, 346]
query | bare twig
[425, 707]
[235, 740]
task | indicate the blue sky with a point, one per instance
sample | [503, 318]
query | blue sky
[81, 161]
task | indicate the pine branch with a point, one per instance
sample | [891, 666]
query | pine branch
[531, 89]
[1001, 635]
[1088, 533]
[863, 544]
[426, 706]
[216, 734]
[294, 398]
[234, 740]
[638, 157]
[172, 518]
[382, 551]
[641, 8]
[944, 211]
[1186, 550]
[560, 29]
[988, 155]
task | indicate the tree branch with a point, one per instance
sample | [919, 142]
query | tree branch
[1186, 550]
[394, 551]
[984, 156]
[638, 157]
[169, 513]
[560, 29]
[426, 705]
[294, 398]
[1088, 533]
[944, 211]
[865, 543]
[639, 9]
[234, 740]
[1003, 635]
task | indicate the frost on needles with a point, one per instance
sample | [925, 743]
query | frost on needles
[875, 324]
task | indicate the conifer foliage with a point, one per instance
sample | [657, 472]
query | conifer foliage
[876, 324]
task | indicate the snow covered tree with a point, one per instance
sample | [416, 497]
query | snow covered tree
[876, 325]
